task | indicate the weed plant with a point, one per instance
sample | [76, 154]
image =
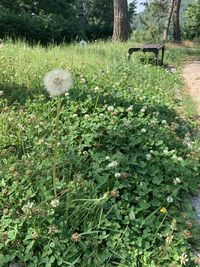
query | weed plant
[127, 160]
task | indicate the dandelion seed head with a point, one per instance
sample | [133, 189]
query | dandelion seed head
[83, 44]
[170, 199]
[58, 82]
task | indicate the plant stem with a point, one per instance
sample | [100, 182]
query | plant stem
[55, 147]
[97, 100]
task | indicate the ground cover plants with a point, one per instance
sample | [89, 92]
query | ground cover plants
[127, 158]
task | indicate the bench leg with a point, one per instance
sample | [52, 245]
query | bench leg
[163, 52]
[156, 57]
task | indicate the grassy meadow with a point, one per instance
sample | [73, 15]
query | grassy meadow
[127, 160]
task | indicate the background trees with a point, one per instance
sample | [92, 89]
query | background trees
[191, 25]
[45, 21]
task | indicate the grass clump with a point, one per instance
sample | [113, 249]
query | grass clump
[125, 162]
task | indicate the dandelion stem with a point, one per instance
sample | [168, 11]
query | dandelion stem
[97, 100]
[55, 148]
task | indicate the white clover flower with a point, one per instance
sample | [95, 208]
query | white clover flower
[143, 130]
[58, 82]
[176, 181]
[164, 122]
[142, 110]
[117, 174]
[96, 89]
[1, 93]
[113, 164]
[148, 156]
[101, 115]
[27, 207]
[170, 199]
[83, 44]
[86, 116]
[107, 157]
[129, 109]
[180, 159]
[166, 152]
[83, 80]
[110, 108]
[55, 203]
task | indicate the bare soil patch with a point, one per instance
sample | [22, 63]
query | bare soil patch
[191, 74]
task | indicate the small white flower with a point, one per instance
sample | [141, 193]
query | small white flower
[1, 93]
[86, 116]
[130, 109]
[101, 115]
[96, 89]
[83, 80]
[179, 158]
[142, 110]
[67, 94]
[148, 156]
[164, 122]
[176, 181]
[58, 82]
[112, 164]
[55, 203]
[143, 130]
[170, 199]
[27, 207]
[183, 259]
[83, 44]
[165, 151]
[117, 174]
[107, 157]
[110, 108]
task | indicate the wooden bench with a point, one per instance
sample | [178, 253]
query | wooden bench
[155, 48]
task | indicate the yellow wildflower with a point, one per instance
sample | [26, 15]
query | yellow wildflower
[163, 210]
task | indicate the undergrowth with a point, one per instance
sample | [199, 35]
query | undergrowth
[127, 161]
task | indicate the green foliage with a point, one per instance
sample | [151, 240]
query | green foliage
[152, 21]
[192, 21]
[41, 28]
[121, 147]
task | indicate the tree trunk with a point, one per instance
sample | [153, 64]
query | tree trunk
[121, 31]
[168, 20]
[177, 30]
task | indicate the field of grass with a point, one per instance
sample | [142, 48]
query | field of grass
[127, 160]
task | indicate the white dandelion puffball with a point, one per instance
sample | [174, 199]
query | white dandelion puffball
[170, 199]
[82, 44]
[58, 82]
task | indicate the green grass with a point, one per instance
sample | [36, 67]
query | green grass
[106, 216]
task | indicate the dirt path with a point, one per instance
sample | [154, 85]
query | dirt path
[191, 74]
